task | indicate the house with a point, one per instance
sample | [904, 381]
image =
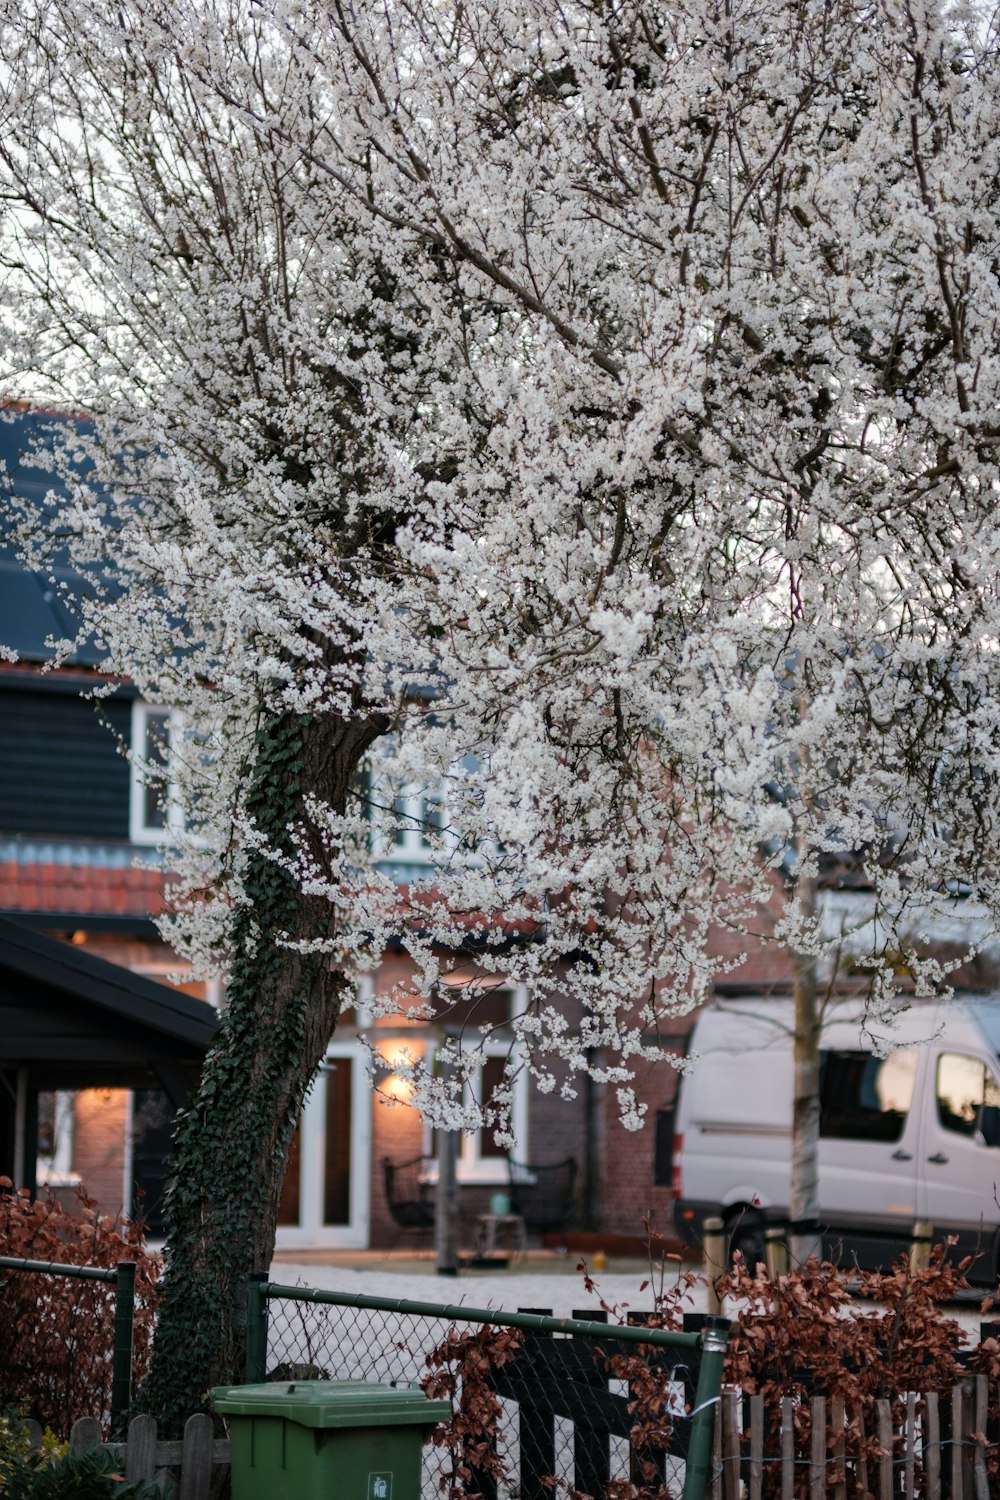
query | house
[80, 864]
[71, 1022]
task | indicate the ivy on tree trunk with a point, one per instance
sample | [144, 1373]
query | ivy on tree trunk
[232, 1141]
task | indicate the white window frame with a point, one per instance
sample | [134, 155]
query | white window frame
[405, 846]
[472, 1166]
[140, 832]
[408, 847]
[57, 1170]
[311, 1232]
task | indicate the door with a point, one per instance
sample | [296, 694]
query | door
[152, 1132]
[960, 1152]
[324, 1201]
[869, 1140]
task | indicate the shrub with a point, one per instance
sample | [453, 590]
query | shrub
[798, 1335]
[459, 1370]
[15, 1449]
[88, 1476]
[56, 1356]
[804, 1334]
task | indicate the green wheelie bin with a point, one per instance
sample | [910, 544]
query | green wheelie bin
[327, 1439]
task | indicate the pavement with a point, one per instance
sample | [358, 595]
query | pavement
[535, 1279]
[538, 1280]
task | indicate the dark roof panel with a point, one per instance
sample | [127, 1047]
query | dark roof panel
[33, 608]
[27, 618]
[60, 969]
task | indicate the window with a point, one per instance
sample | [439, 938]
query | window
[155, 812]
[479, 1150]
[421, 823]
[56, 1114]
[863, 1097]
[418, 815]
[480, 1159]
[663, 1148]
[406, 821]
[966, 1092]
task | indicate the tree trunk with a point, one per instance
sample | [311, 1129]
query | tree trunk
[804, 1238]
[446, 1205]
[232, 1141]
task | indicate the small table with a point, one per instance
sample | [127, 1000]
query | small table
[490, 1225]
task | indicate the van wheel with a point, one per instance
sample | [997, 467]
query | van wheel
[746, 1234]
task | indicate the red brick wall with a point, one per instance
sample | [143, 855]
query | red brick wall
[82, 888]
[99, 1141]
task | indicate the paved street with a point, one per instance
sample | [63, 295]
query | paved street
[538, 1280]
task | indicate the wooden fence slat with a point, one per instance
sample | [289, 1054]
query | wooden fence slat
[756, 1447]
[730, 1446]
[140, 1450]
[862, 1460]
[910, 1447]
[196, 1460]
[787, 1449]
[968, 1447]
[817, 1448]
[716, 1484]
[591, 1448]
[839, 1447]
[932, 1444]
[84, 1435]
[957, 1403]
[981, 1483]
[537, 1431]
[883, 1417]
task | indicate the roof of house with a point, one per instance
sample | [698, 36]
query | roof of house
[33, 604]
[76, 1021]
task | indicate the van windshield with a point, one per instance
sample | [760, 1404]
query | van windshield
[865, 1098]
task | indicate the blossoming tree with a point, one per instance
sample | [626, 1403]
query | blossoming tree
[587, 410]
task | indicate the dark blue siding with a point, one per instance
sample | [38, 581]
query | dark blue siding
[61, 775]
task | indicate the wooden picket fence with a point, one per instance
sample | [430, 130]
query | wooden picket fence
[194, 1468]
[931, 1468]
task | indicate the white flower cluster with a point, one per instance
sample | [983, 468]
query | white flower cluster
[597, 403]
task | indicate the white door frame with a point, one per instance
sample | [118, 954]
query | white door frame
[311, 1233]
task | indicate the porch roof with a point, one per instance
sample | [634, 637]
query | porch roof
[75, 1021]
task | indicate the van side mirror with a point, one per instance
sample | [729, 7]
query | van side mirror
[989, 1124]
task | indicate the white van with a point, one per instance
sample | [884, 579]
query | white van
[913, 1135]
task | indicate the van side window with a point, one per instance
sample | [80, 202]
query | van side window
[967, 1096]
[863, 1097]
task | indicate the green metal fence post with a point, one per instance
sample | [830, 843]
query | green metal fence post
[699, 1459]
[121, 1368]
[256, 1366]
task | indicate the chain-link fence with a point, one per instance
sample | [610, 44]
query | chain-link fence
[543, 1405]
[67, 1347]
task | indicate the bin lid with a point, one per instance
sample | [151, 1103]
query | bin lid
[332, 1403]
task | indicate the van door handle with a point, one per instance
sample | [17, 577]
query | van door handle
[902, 1155]
[939, 1159]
